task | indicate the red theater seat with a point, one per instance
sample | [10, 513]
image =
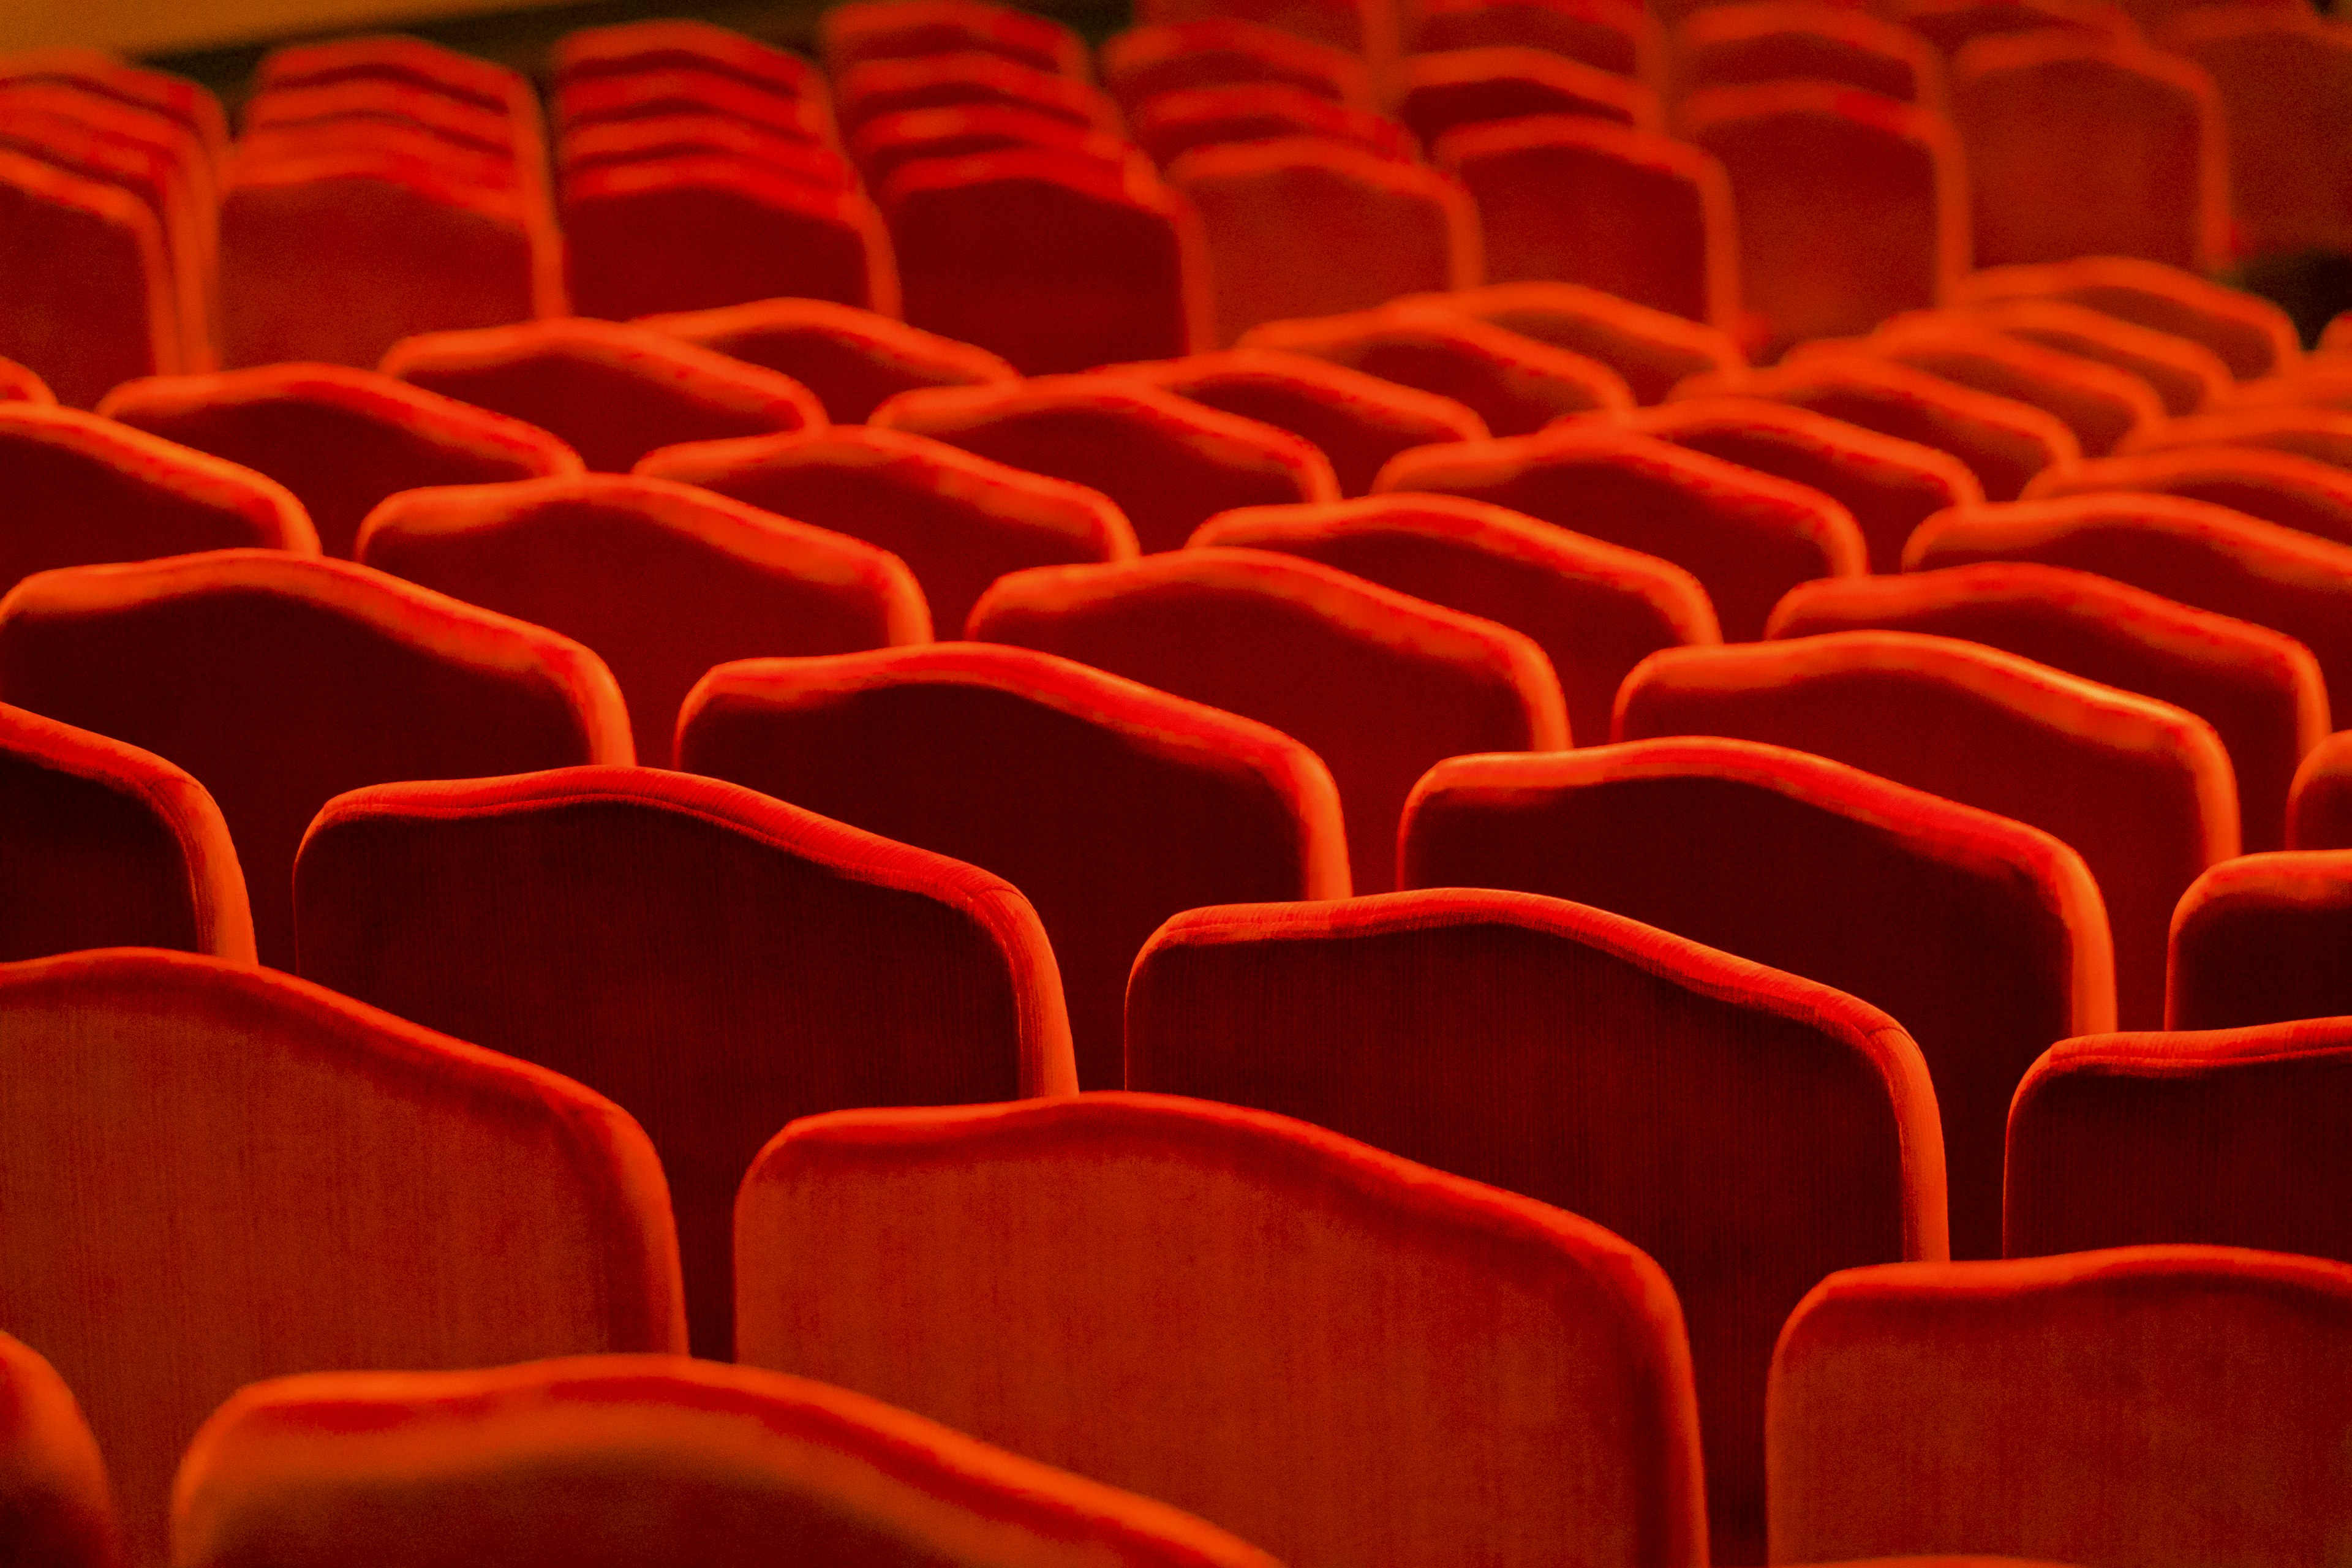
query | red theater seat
[2140, 789]
[1454, 88]
[701, 87]
[1651, 349]
[1743, 45]
[1329, 1350]
[1890, 485]
[81, 489]
[392, 58]
[660, 580]
[2187, 550]
[2262, 691]
[959, 522]
[111, 315]
[18, 385]
[1899, 897]
[2285, 82]
[1852, 206]
[888, 143]
[339, 439]
[2323, 435]
[908, 29]
[2185, 376]
[703, 131]
[1615, 36]
[613, 392]
[1281, 214]
[1380, 684]
[1361, 28]
[1748, 537]
[1170, 463]
[1110, 805]
[2004, 443]
[2088, 143]
[237, 1174]
[2231, 1137]
[279, 682]
[2319, 812]
[1515, 384]
[718, 962]
[636, 1461]
[2096, 1407]
[635, 49]
[853, 360]
[1532, 1043]
[2252, 336]
[2316, 381]
[2262, 940]
[1594, 609]
[53, 1486]
[1174, 124]
[2297, 492]
[188, 105]
[973, 76]
[1049, 259]
[1144, 63]
[1358, 421]
[1632, 213]
[328, 112]
[1951, 25]
[108, 846]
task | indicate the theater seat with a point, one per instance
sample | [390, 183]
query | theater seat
[1330, 1351]
[635, 1461]
[1380, 684]
[888, 143]
[1153, 61]
[1651, 349]
[1585, 1060]
[279, 682]
[631, 48]
[853, 360]
[2285, 76]
[2297, 492]
[874, 88]
[2095, 1407]
[660, 580]
[2140, 789]
[613, 392]
[717, 961]
[2226, 1136]
[1359, 28]
[341, 439]
[2323, 435]
[1175, 124]
[53, 1486]
[1746, 536]
[1899, 897]
[2319, 812]
[2252, 336]
[1752, 41]
[1448, 88]
[1110, 805]
[2261, 940]
[1615, 36]
[237, 1174]
[112, 314]
[108, 846]
[18, 385]
[1952, 25]
[2186, 376]
[868, 30]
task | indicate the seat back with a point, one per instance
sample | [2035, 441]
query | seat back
[2302, 493]
[112, 315]
[53, 1486]
[1651, 349]
[1615, 36]
[2285, 81]
[2252, 336]
[870, 31]
[1446, 90]
[1175, 124]
[2261, 940]
[852, 359]
[1147, 62]
[2323, 435]
[629, 48]
[1359, 28]
[2319, 811]
[1740, 45]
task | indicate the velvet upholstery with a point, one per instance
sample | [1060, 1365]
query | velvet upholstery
[2140, 789]
[1167, 461]
[186, 103]
[2230, 1137]
[341, 439]
[107, 318]
[878, 87]
[2252, 336]
[1344, 1356]
[660, 580]
[1649, 349]
[793, 150]
[1572, 199]
[2262, 940]
[632, 1462]
[2097, 1407]
[2298, 492]
[2284, 77]
[2185, 375]
[1175, 124]
[1358, 421]
[2313, 380]
[394, 57]
[2188, 550]
[1448, 89]
[2083, 143]
[1889, 485]
[868, 30]
[613, 392]
[632, 48]
[1771, 41]
[1380, 684]
[957, 520]
[2319, 812]
[1361, 28]
[1147, 62]
[2262, 691]
[2323, 435]
[1278, 212]
[109, 846]
[1615, 36]
[1809, 160]
[1594, 609]
[1539, 1045]
[1952, 25]
[1049, 260]
[1110, 805]
[18, 385]
[1746, 536]
[853, 361]
[53, 1497]
[2005, 443]
[82, 490]
[717, 961]
[2100, 404]
[279, 682]
[1515, 384]
[888, 143]
[702, 86]
[1986, 938]
[215, 1174]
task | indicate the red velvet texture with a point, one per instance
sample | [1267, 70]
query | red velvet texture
[1110, 805]
[2263, 938]
[1612, 35]
[339, 439]
[216, 1174]
[957, 76]
[2283, 80]
[2292, 492]
[2231, 1137]
[2090, 1408]
[635, 1461]
[1176, 124]
[1773, 40]
[279, 682]
[630, 47]
[718, 962]
[18, 385]
[1985, 938]
[1380, 684]
[888, 143]
[107, 318]
[853, 360]
[1330, 1350]
[2185, 375]
[1445, 89]
[1149, 62]
[108, 846]
[1749, 1130]
[2319, 812]
[2140, 789]
[1651, 349]
[661, 581]
[869, 31]
[53, 1488]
